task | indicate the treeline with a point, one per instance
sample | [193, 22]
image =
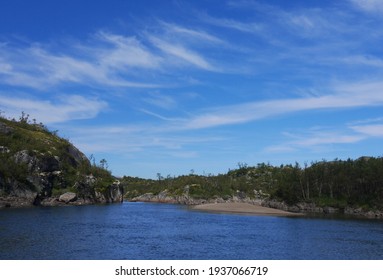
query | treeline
[337, 183]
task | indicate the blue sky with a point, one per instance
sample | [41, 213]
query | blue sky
[170, 86]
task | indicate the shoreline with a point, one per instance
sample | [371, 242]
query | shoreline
[244, 209]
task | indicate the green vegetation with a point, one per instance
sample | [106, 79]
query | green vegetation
[337, 183]
[37, 159]
[34, 158]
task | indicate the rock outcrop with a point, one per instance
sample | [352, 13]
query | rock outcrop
[185, 198]
[303, 207]
[39, 168]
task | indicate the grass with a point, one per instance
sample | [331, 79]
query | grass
[42, 145]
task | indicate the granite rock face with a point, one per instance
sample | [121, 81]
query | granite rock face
[39, 168]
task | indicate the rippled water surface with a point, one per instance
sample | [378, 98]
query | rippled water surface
[163, 231]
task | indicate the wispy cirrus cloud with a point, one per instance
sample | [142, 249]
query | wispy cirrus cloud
[346, 96]
[107, 60]
[65, 108]
[161, 101]
[303, 22]
[38, 67]
[319, 138]
[316, 34]
[374, 6]
[322, 138]
[247, 27]
[325, 138]
[363, 60]
[365, 121]
[184, 54]
[145, 137]
[127, 52]
[311, 36]
[371, 130]
[314, 139]
[195, 35]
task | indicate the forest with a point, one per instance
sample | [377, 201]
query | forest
[337, 183]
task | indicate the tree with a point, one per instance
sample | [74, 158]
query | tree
[159, 177]
[104, 164]
[92, 159]
[24, 117]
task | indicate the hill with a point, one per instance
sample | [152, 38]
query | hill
[338, 186]
[37, 167]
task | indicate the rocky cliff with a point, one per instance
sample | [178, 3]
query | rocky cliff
[39, 168]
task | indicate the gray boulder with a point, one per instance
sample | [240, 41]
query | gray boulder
[68, 197]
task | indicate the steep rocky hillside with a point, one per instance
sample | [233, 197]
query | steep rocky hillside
[39, 168]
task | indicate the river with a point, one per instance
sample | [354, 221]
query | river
[164, 231]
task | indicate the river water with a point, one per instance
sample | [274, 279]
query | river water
[164, 231]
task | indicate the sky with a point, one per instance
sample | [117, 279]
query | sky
[177, 87]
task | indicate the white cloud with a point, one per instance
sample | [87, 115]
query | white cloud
[347, 96]
[320, 138]
[59, 68]
[39, 68]
[374, 6]
[179, 51]
[298, 21]
[65, 108]
[142, 138]
[365, 121]
[160, 100]
[126, 52]
[247, 27]
[174, 30]
[5, 68]
[109, 60]
[373, 130]
[158, 116]
[362, 60]
[302, 21]
[328, 138]
[363, 90]
[315, 139]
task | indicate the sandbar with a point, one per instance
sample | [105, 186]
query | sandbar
[242, 208]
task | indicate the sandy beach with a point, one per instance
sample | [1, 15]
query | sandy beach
[243, 208]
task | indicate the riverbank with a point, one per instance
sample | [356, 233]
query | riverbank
[242, 208]
[304, 207]
[246, 205]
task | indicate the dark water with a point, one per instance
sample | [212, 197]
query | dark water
[162, 231]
